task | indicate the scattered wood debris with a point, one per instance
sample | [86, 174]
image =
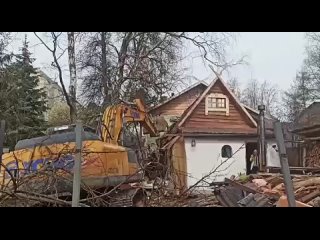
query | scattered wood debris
[242, 195]
[266, 190]
[191, 200]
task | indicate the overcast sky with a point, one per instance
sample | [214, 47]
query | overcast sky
[272, 56]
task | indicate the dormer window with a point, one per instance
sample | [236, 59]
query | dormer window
[217, 102]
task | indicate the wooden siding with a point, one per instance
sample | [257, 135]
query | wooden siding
[179, 163]
[178, 105]
[218, 122]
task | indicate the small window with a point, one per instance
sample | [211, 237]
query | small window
[226, 151]
[217, 102]
[221, 103]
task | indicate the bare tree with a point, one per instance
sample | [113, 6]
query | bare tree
[122, 65]
[73, 75]
[55, 37]
[306, 86]
[234, 86]
[257, 93]
[251, 94]
[312, 62]
[269, 96]
[126, 64]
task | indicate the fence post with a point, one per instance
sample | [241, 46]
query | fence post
[77, 166]
[262, 142]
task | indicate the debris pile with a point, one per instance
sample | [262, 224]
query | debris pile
[313, 153]
[267, 190]
[239, 194]
[194, 200]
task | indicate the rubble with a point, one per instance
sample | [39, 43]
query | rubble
[197, 200]
[240, 195]
[267, 190]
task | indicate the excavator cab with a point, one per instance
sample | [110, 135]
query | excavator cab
[68, 128]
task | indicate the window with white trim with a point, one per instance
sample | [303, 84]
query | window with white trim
[217, 102]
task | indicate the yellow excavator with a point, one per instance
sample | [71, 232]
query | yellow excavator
[105, 162]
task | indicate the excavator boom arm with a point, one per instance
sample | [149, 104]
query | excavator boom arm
[115, 117]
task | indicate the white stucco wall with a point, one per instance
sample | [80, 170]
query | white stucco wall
[206, 156]
[273, 158]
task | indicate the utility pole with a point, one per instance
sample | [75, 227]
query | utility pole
[77, 166]
[284, 164]
[262, 144]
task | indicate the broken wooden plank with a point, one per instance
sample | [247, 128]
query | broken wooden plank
[274, 181]
[309, 182]
[240, 186]
[267, 175]
[310, 196]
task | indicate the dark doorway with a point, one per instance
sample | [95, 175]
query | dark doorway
[250, 146]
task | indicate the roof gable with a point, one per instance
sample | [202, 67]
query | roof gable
[198, 107]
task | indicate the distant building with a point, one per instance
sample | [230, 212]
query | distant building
[52, 89]
[307, 127]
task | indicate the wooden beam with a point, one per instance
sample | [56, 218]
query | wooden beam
[298, 168]
[310, 196]
[240, 186]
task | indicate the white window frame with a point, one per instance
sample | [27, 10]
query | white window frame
[214, 109]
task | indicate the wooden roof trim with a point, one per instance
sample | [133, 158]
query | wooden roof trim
[181, 93]
[171, 142]
[206, 92]
[257, 112]
[251, 109]
[238, 102]
[196, 103]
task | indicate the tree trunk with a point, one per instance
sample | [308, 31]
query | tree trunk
[73, 76]
[105, 81]
[121, 63]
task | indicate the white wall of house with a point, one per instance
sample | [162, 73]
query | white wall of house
[206, 156]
